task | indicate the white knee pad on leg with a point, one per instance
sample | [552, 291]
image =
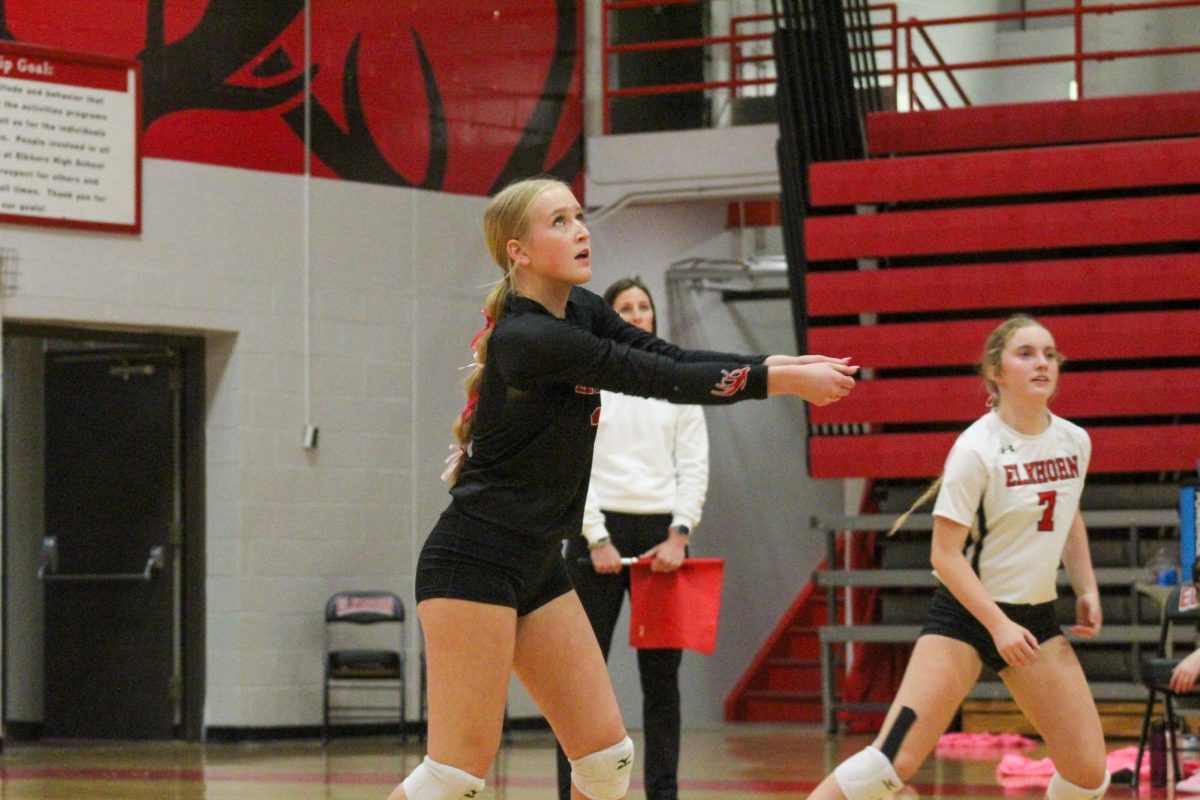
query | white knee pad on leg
[868, 775]
[604, 775]
[1062, 789]
[434, 781]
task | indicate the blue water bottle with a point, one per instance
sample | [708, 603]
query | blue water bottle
[1187, 530]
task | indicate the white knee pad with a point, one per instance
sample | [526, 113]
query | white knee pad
[604, 775]
[1062, 789]
[434, 781]
[868, 775]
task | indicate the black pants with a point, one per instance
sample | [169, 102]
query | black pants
[602, 595]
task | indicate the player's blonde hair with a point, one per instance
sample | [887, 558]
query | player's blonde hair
[505, 218]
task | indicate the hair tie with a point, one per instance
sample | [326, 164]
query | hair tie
[488, 325]
[457, 452]
[469, 410]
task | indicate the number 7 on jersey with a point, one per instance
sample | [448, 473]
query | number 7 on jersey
[1047, 499]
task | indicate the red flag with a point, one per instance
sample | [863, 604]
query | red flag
[676, 609]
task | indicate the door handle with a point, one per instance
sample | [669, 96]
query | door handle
[48, 571]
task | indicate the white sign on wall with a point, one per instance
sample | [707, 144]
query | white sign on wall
[70, 143]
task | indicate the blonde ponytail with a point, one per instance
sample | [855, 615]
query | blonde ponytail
[928, 495]
[493, 309]
[506, 218]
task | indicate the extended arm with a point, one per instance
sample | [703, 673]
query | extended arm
[541, 349]
[819, 382]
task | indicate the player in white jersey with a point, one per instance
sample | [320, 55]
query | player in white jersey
[1007, 513]
[1030, 488]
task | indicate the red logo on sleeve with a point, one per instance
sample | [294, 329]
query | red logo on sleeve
[596, 415]
[732, 381]
[586, 390]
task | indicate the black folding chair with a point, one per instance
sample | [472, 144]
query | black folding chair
[1156, 674]
[375, 665]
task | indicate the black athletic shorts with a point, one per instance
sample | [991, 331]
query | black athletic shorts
[948, 617]
[467, 560]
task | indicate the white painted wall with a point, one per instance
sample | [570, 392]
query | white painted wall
[391, 286]
[680, 166]
[956, 43]
[1136, 30]
[1027, 84]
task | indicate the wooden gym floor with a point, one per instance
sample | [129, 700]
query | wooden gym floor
[739, 762]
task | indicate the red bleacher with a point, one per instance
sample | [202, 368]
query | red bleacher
[999, 173]
[1114, 393]
[1106, 119]
[973, 286]
[1076, 210]
[1018, 226]
[1092, 337]
[1087, 213]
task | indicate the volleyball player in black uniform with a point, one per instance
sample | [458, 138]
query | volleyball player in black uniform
[492, 590]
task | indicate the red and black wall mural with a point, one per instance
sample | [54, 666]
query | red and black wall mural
[459, 96]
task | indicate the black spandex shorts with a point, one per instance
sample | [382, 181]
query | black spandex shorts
[467, 560]
[950, 618]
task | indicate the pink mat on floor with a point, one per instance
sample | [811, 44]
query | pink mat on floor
[980, 746]
[1015, 769]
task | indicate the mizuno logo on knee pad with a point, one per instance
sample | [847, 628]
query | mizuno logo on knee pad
[604, 775]
[868, 775]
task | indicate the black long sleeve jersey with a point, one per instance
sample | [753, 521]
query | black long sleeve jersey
[539, 404]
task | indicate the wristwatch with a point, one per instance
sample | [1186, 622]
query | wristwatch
[682, 530]
[601, 542]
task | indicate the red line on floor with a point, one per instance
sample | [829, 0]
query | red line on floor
[732, 786]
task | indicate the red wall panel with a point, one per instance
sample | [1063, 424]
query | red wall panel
[461, 97]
